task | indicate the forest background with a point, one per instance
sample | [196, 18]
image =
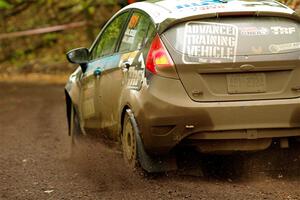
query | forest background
[76, 24]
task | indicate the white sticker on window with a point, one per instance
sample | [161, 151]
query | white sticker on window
[280, 30]
[277, 48]
[254, 31]
[129, 36]
[206, 42]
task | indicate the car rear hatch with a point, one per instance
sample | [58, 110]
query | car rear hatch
[237, 58]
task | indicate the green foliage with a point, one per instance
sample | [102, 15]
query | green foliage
[49, 48]
[18, 53]
[49, 38]
[4, 4]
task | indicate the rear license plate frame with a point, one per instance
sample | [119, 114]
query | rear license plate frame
[246, 83]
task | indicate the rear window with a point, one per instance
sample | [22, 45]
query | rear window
[223, 39]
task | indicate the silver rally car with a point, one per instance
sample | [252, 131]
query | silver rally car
[219, 76]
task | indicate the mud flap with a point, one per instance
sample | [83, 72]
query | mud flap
[149, 163]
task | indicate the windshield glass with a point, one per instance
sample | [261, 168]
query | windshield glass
[221, 40]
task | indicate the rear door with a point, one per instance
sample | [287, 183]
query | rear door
[122, 70]
[94, 93]
[229, 59]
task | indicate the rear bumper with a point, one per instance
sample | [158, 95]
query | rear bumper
[249, 134]
[166, 116]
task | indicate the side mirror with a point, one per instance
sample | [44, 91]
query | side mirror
[79, 56]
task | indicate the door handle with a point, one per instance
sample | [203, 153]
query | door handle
[97, 72]
[125, 66]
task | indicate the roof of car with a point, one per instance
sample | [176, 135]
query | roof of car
[162, 9]
[167, 11]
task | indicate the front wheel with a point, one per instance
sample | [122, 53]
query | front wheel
[75, 130]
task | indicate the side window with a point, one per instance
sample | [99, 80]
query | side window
[136, 32]
[109, 37]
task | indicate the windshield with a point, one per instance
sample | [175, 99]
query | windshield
[221, 40]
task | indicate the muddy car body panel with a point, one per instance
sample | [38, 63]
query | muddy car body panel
[238, 96]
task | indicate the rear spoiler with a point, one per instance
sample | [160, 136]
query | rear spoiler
[169, 22]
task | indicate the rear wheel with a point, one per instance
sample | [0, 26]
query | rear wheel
[129, 144]
[134, 152]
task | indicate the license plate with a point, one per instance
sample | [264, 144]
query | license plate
[246, 83]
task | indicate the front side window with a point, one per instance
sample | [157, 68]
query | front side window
[136, 32]
[109, 37]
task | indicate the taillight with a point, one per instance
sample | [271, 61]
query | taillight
[159, 61]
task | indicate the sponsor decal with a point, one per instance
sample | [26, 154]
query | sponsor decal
[206, 42]
[134, 78]
[280, 30]
[277, 48]
[141, 61]
[129, 36]
[198, 3]
[262, 3]
[95, 64]
[133, 21]
[254, 31]
[210, 7]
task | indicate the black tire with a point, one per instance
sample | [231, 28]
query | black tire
[129, 144]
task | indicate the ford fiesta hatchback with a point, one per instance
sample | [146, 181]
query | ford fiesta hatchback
[219, 76]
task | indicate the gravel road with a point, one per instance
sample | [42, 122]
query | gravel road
[35, 161]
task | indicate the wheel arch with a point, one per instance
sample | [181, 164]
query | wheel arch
[122, 117]
[68, 109]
